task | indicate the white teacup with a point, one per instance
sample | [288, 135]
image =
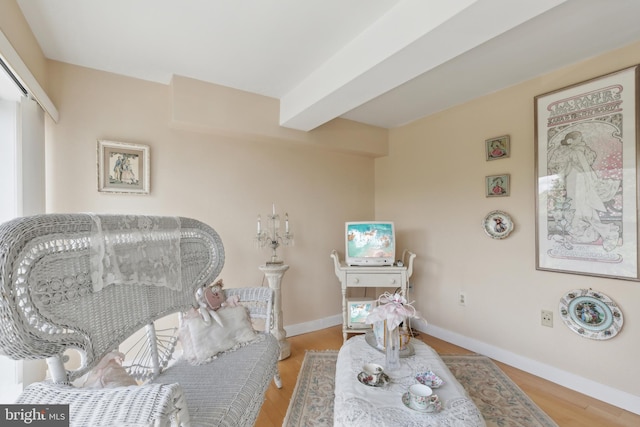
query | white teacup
[433, 404]
[374, 371]
[419, 396]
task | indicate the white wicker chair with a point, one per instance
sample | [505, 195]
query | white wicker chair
[48, 305]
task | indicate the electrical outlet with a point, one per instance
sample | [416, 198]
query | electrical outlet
[547, 318]
[462, 298]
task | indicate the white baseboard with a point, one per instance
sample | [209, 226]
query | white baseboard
[314, 325]
[580, 384]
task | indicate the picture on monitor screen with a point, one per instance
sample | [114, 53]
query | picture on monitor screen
[370, 242]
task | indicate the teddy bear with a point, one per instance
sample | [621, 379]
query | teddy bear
[212, 298]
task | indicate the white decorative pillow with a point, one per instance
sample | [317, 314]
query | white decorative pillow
[201, 342]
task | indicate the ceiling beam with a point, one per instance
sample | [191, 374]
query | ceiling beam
[412, 38]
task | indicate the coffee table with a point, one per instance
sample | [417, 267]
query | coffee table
[357, 404]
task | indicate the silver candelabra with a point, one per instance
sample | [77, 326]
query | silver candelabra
[271, 236]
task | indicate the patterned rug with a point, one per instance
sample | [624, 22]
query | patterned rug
[501, 402]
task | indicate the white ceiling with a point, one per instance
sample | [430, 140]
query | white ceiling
[381, 62]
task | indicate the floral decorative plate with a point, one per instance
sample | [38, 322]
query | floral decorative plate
[591, 314]
[430, 379]
[497, 224]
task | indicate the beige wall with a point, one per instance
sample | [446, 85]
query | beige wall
[432, 185]
[221, 177]
[14, 26]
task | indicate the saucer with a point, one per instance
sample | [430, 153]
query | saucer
[430, 379]
[363, 377]
[405, 400]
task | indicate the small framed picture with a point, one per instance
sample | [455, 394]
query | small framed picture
[497, 185]
[497, 148]
[123, 167]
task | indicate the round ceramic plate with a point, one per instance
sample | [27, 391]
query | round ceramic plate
[591, 314]
[497, 224]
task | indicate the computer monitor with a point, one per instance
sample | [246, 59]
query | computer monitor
[370, 243]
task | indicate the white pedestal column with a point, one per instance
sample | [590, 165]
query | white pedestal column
[274, 273]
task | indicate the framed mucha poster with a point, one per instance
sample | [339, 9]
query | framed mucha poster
[123, 167]
[586, 169]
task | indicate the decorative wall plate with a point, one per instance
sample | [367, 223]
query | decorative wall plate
[591, 314]
[497, 224]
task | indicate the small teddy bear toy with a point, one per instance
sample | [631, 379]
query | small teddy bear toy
[211, 298]
[214, 296]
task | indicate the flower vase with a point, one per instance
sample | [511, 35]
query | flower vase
[392, 349]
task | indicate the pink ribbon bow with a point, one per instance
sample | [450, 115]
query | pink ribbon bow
[393, 308]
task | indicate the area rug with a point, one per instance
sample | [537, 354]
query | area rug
[501, 402]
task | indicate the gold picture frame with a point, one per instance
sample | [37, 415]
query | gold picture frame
[123, 167]
[498, 148]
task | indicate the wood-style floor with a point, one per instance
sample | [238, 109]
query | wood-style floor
[567, 407]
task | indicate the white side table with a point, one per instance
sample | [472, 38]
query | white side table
[368, 277]
[274, 273]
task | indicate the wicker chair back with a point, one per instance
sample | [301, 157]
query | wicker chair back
[48, 303]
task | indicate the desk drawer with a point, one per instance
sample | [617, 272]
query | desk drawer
[374, 279]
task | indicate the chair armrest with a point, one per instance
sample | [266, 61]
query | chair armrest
[145, 405]
[258, 300]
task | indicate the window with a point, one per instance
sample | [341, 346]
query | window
[21, 188]
[9, 98]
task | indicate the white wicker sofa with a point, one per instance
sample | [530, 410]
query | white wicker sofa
[49, 304]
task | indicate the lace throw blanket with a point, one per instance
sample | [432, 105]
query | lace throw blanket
[135, 249]
[359, 405]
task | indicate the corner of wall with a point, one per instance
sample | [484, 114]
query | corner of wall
[203, 107]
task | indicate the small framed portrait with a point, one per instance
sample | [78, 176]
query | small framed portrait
[498, 148]
[497, 185]
[123, 167]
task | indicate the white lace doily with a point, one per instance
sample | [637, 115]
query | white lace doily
[135, 250]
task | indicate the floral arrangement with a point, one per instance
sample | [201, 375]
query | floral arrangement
[393, 308]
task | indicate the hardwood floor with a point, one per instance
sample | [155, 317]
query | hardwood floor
[567, 407]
